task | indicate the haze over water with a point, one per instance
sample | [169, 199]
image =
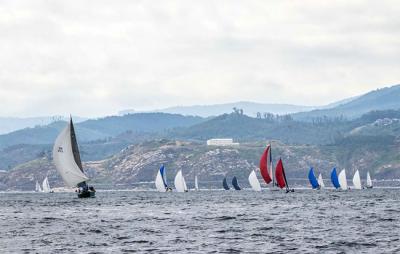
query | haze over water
[202, 222]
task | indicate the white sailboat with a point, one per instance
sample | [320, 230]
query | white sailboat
[343, 180]
[37, 187]
[321, 181]
[196, 183]
[357, 181]
[68, 162]
[254, 183]
[369, 181]
[180, 184]
[161, 181]
[46, 185]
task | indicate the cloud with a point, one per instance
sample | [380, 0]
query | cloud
[97, 57]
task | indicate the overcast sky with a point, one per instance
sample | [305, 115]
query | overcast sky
[93, 58]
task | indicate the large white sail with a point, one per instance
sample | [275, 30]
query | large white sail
[321, 181]
[180, 184]
[64, 159]
[369, 181]
[342, 180]
[357, 181]
[196, 183]
[160, 183]
[254, 183]
[38, 188]
[46, 185]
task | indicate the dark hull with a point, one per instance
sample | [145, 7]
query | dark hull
[87, 194]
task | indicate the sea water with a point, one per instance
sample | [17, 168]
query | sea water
[306, 221]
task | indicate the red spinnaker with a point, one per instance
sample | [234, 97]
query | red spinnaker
[280, 178]
[264, 163]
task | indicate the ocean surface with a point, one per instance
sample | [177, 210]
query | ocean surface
[306, 221]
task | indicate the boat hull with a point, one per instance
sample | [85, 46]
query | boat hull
[87, 194]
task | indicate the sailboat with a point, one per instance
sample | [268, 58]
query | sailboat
[321, 181]
[281, 177]
[342, 179]
[313, 180]
[253, 180]
[357, 181]
[369, 181]
[235, 183]
[68, 162]
[180, 184]
[37, 187]
[335, 179]
[46, 186]
[266, 168]
[161, 180]
[225, 184]
[196, 183]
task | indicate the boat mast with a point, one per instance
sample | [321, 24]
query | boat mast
[284, 177]
[272, 165]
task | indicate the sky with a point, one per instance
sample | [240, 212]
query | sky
[95, 58]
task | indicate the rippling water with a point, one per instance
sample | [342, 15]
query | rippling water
[306, 221]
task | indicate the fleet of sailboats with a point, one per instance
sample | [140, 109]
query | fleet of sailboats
[68, 163]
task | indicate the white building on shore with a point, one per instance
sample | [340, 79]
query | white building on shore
[221, 142]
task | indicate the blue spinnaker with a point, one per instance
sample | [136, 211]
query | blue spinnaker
[162, 171]
[313, 179]
[334, 178]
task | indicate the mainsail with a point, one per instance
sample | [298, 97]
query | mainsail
[369, 181]
[67, 159]
[335, 179]
[160, 182]
[37, 187]
[357, 181]
[321, 181]
[46, 185]
[265, 162]
[196, 183]
[180, 184]
[254, 183]
[235, 183]
[313, 180]
[225, 184]
[343, 180]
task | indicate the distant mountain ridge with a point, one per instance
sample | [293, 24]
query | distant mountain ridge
[249, 108]
[380, 99]
[10, 124]
[95, 129]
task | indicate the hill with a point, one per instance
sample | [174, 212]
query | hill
[137, 165]
[101, 128]
[380, 99]
[283, 128]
